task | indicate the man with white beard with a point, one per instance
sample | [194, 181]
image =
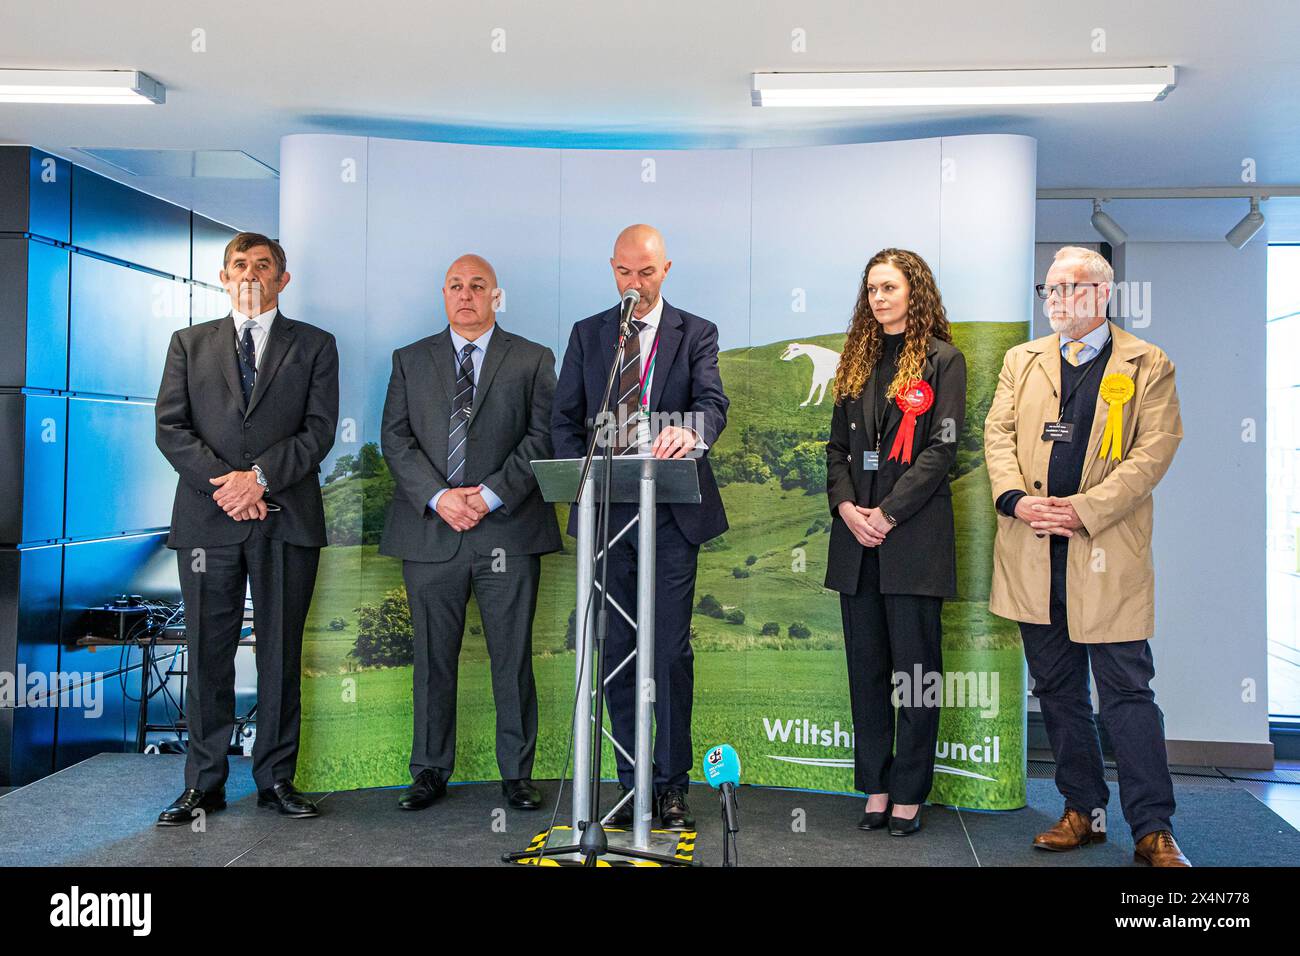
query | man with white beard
[1083, 425]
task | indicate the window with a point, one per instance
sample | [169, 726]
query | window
[1283, 477]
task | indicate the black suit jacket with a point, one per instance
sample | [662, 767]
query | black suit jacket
[919, 555]
[508, 428]
[686, 379]
[287, 429]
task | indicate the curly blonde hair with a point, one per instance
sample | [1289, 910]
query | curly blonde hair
[925, 318]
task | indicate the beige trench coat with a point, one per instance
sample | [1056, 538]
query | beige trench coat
[1110, 580]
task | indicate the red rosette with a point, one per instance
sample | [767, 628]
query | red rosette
[916, 399]
[913, 401]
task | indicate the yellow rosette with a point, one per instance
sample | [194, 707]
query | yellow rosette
[1115, 391]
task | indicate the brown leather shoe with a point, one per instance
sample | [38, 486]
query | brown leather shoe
[1159, 849]
[1072, 831]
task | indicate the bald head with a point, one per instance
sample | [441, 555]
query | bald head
[640, 238]
[639, 262]
[470, 265]
[469, 293]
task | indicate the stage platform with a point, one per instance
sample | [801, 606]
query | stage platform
[101, 812]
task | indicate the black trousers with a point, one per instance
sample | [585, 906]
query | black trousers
[213, 584]
[886, 634]
[674, 670]
[1134, 722]
[506, 590]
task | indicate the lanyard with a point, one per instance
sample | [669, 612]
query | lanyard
[1079, 383]
[643, 396]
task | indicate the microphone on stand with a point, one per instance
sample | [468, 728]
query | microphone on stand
[721, 767]
[630, 299]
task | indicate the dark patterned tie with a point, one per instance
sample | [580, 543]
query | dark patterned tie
[629, 392]
[461, 407]
[247, 361]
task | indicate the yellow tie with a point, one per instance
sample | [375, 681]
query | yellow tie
[1074, 348]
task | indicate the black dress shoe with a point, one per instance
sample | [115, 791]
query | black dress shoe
[284, 796]
[622, 818]
[674, 814]
[184, 808]
[900, 827]
[521, 794]
[427, 787]
[875, 819]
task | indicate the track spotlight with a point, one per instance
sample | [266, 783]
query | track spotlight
[1251, 223]
[1108, 227]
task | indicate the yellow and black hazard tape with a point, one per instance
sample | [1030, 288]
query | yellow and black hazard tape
[684, 850]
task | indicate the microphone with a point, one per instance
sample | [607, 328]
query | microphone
[721, 767]
[630, 299]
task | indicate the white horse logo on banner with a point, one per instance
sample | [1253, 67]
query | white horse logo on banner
[823, 361]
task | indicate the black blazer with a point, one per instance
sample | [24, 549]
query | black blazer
[919, 555]
[686, 379]
[508, 428]
[287, 429]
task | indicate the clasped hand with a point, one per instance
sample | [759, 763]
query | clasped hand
[1051, 515]
[239, 495]
[868, 525]
[462, 508]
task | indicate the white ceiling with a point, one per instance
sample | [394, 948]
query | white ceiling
[672, 73]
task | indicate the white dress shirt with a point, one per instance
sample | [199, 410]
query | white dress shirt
[260, 331]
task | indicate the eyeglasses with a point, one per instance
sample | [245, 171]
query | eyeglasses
[1064, 290]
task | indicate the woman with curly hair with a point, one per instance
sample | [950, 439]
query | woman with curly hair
[900, 401]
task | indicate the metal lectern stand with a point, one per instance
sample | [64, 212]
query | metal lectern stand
[646, 481]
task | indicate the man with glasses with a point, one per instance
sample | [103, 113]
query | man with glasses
[1083, 425]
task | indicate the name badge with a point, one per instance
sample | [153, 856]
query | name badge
[1058, 431]
[871, 461]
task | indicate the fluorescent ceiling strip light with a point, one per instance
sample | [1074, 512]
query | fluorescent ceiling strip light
[964, 87]
[96, 87]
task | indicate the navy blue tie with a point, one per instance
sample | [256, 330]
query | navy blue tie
[247, 361]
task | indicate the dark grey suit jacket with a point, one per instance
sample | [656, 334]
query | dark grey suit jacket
[204, 429]
[508, 427]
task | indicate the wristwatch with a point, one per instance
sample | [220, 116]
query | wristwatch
[888, 517]
[261, 478]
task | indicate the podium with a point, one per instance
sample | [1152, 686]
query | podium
[645, 481]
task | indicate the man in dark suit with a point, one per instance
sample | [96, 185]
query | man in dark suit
[246, 413]
[467, 410]
[670, 371]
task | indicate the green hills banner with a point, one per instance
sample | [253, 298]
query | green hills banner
[770, 668]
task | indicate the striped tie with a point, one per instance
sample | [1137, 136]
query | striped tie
[629, 391]
[461, 407]
[1074, 348]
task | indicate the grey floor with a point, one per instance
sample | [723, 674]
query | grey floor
[1278, 789]
[102, 811]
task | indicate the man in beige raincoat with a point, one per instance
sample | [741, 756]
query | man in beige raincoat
[1083, 425]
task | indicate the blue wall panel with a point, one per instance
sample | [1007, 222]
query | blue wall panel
[45, 454]
[121, 322]
[33, 435]
[47, 316]
[50, 196]
[29, 643]
[117, 479]
[118, 221]
[35, 192]
[33, 314]
[210, 238]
